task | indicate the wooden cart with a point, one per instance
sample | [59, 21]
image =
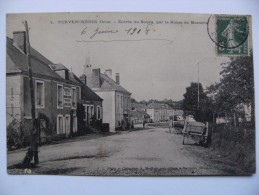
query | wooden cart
[196, 131]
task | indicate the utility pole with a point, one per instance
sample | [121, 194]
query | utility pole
[34, 130]
[198, 85]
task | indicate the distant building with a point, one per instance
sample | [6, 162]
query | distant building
[161, 112]
[170, 112]
[116, 99]
[138, 117]
[154, 111]
[138, 106]
[138, 113]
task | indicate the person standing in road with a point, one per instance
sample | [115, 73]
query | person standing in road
[170, 125]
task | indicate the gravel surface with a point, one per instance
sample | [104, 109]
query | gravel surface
[148, 152]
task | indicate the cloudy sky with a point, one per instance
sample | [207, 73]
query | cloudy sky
[156, 60]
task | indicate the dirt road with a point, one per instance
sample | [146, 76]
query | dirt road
[152, 151]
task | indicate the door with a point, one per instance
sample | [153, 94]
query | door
[89, 112]
[67, 124]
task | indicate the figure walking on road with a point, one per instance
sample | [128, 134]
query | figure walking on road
[170, 125]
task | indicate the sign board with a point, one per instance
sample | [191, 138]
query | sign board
[67, 97]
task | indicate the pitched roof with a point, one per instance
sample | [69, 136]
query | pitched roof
[17, 62]
[168, 106]
[58, 67]
[154, 105]
[146, 115]
[138, 105]
[135, 113]
[106, 83]
[87, 93]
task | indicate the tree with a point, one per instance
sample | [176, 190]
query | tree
[133, 100]
[200, 108]
[190, 101]
[236, 86]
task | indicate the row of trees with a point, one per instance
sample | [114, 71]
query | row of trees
[235, 89]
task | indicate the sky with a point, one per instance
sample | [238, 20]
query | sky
[158, 60]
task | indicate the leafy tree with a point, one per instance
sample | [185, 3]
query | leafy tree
[201, 110]
[190, 101]
[236, 85]
[133, 100]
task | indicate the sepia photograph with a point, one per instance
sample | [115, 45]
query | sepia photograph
[130, 94]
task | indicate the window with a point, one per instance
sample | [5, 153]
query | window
[129, 102]
[39, 94]
[117, 102]
[60, 128]
[74, 100]
[98, 112]
[125, 103]
[60, 96]
[121, 102]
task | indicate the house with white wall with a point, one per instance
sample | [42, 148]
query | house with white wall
[159, 111]
[116, 99]
[153, 109]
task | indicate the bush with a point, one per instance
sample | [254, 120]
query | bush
[236, 143]
[15, 135]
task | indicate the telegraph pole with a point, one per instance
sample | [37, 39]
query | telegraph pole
[34, 130]
[198, 85]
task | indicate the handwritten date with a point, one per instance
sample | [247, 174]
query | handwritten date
[130, 31]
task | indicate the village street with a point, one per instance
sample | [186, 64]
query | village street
[152, 151]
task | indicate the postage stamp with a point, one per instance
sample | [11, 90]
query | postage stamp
[232, 33]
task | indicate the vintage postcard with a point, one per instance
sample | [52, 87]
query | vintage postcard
[129, 94]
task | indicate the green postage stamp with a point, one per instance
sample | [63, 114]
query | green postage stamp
[232, 33]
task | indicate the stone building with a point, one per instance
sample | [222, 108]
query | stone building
[57, 93]
[116, 99]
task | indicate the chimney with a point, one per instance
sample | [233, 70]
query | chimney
[96, 78]
[19, 40]
[108, 73]
[118, 78]
[83, 79]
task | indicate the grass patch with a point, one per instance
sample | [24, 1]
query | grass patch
[237, 144]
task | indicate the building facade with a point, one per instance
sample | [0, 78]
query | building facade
[57, 93]
[154, 111]
[160, 111]
[116, 99]
[138, 113]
